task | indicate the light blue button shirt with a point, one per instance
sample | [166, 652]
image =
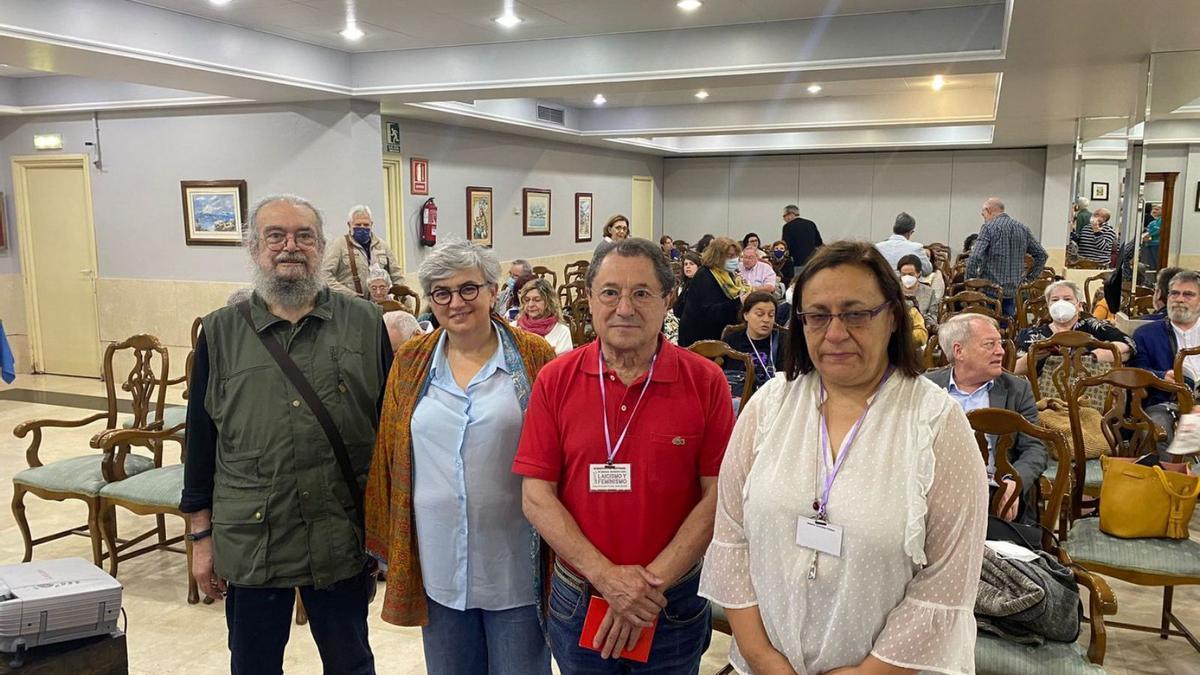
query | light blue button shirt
[897, 246]
[974, 401]
[472, 536]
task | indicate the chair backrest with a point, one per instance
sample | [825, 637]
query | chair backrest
[719, 353]
[1179, 357]
[981, 286]
[953, 304]
[1129, 430]
[145, 381]
[400, 292]
[1073, 346]
[1085, 264]
[783, 331]
[392, 306]
[1004, 426]
[575, 270]
[1140, 306]
[578, 315]
[548, 274]
[571, 291]
[1092, 282]
[1031, 303]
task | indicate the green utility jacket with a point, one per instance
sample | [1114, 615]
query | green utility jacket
[282, 514]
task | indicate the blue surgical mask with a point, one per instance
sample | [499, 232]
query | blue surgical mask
[731, 265]
[778, 255]
[362, 235]
[511, 282]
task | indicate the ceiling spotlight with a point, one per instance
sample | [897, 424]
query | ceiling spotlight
[599, 100]
[814, 88]
[702, 94]
[218, 3]
[352, 32]
[938, 82]
[689, 5]
[508, 19]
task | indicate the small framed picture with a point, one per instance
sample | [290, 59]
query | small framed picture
[479, 215]
[583, 216]
[213, 211]
[418, 176]
[535, 212]
[1100, 191]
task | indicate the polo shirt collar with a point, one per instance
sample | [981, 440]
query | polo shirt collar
[666, 368]
[263, 318]
[953, 386]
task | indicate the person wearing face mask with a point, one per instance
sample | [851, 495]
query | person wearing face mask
[348, 260]
[1159, 342]
[782, 262]
[921, 294]
[1063, 299]
[760, 339]
[714, 295]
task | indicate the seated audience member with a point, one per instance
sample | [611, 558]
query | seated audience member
[1062, 299]
[782, 262]
[715, 294]
[760, 340]
[378, 285]
[975, 379]
[900, 244]
[919, 292]
[751, 240]
[690, 264]
[541, 315]
[513, 307]
[966, 249]
[758, 275]
[1159, 342]
[703, 243]
[1096, 240]
[667, 244]
[1100, 307]
[508, 290]
[901, 587]
[920, 331]
[400, 326]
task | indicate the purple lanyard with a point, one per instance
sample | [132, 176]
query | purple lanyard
[612, 450]
[822, 505]
[768, 368]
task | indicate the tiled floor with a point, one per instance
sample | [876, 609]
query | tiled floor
[168, 635]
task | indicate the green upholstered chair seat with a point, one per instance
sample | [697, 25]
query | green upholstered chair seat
[156, 487]
[172, 415]
[994, 656]
[1175, 557]
[80, 475]
[1093, 474]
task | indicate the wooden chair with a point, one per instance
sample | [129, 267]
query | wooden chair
[1098, 281]
[576, 270]
[990, 652]
[953, 304]
[1073, 346]
[579, 320]
[1179, 357]
[548, 274]
[401, 293]
[677, 270]
[718, 352]
[83, 476]
[571, 292]
[981, 286]
[1140, 306]
[1031, 303]
[1085, 264]
[1144, 562]
[393, 306]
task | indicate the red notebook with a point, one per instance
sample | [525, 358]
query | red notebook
[591, 623]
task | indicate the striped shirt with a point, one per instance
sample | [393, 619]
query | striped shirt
[1095, 245]
[999, 253]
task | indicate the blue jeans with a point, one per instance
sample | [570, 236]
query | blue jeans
[260, 621]
[483, 642]
[683, 633]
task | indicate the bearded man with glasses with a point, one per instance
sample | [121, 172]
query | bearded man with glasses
[1159, 342]
[272, 479]
[620, 455]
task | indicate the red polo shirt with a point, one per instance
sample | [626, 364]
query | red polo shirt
[679, 434]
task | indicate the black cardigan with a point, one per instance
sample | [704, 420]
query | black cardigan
[706, 309]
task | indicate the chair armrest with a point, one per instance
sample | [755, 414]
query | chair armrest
[36, 426]
[1101, 601]
[115, 444]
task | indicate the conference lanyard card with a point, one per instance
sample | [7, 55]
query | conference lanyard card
[819, 536]
[610, 478]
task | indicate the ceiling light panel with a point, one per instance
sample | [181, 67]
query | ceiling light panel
[689, 5]
[702, 94]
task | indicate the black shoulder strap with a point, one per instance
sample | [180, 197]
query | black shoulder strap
[292, 371]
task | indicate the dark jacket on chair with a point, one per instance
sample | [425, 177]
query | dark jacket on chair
[706, 309]
[1027, 455]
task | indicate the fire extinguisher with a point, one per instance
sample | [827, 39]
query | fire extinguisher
[429, 223]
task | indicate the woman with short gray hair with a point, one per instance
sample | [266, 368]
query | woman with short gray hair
[443, 505]
[1064, 301]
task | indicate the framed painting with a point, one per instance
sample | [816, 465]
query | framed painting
[213, 211]
[479, 215]
[1100, 191]
[583, 216]
[535, 212]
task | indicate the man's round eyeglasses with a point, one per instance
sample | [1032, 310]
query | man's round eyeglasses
[858, 318]
[640, 297]
[443, 296]
[276, 240]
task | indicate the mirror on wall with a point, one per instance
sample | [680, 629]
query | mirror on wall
[1098, 221]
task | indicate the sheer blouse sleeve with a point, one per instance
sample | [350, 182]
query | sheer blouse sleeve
[933, 627]
[725, 578]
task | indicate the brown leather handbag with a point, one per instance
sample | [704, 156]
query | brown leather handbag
[1139, 501]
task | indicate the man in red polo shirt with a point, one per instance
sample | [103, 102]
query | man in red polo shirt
[620, 452]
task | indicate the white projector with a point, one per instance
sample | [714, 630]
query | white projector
[54, 601]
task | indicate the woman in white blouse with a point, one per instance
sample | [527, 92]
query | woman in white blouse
[851, 507]
[541, 314]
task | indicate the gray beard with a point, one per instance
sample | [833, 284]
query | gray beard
[1182, 315]
[286, 293]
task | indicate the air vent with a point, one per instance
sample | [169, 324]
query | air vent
[547, 114]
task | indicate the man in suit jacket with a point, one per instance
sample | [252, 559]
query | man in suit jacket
[800, 234]
[975, 379]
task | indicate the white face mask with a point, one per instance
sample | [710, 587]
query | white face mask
[908, 280]
[1062, 311]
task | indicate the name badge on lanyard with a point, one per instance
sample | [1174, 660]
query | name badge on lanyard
[610, 477]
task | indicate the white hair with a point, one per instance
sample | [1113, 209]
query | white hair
[403, 323]
[957, 329]
[1082, 202]
[451, 257]
[1063, 283]
[357, 209]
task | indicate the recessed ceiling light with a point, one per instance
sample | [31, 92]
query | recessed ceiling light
[352, 32]
[218, 3]
[702, 94]
[689, 5]
[814, 88]
[599, 100]
[508, 19]
[938, 82]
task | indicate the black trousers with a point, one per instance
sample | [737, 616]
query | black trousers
[260, 621]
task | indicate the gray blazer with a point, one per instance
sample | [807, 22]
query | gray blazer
[1028, 455]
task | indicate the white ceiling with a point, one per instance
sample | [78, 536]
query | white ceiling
[7, 70]
[410, 24]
